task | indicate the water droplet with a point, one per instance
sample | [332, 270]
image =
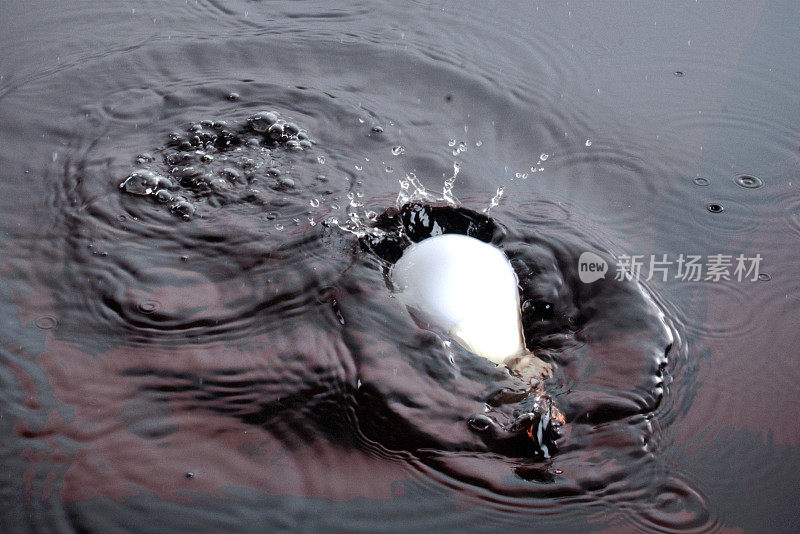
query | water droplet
[748, 181]
[715, 208]
[321, 160]
[279, 227]
[189, 474]
[764, 277]
[397, 150]
[543, 157]
[702, 181]
[588, 142]
[452, 142]
[679, 73]
[359, 167]
[314, 202]
[389, 169]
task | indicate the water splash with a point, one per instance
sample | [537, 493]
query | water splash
[447, 188]
[495, 199]
[411, 190]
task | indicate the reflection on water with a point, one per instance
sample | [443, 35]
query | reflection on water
[197, 329]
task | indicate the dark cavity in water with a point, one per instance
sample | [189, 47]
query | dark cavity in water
[563, 320]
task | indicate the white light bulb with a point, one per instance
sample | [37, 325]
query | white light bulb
[466, 288]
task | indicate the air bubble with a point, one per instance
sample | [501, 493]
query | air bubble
[748, 181]
[164, 196]
[275, 131]
[183, 207]
[715, 208]
[148, 306]
[45, 322]
[142, 182]
[397, 150]
[588, 142]
[701, 181]
[543, 157]
[286, 183]
[261, 122]
[480, 423]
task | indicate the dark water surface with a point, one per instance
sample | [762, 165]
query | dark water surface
[221, 355]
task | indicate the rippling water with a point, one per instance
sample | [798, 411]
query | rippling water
[222, 355]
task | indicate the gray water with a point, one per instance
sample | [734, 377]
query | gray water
[231, 359]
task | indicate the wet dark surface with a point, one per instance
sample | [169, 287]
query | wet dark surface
[193, 337]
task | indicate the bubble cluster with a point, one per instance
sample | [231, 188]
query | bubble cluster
[215, 163]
